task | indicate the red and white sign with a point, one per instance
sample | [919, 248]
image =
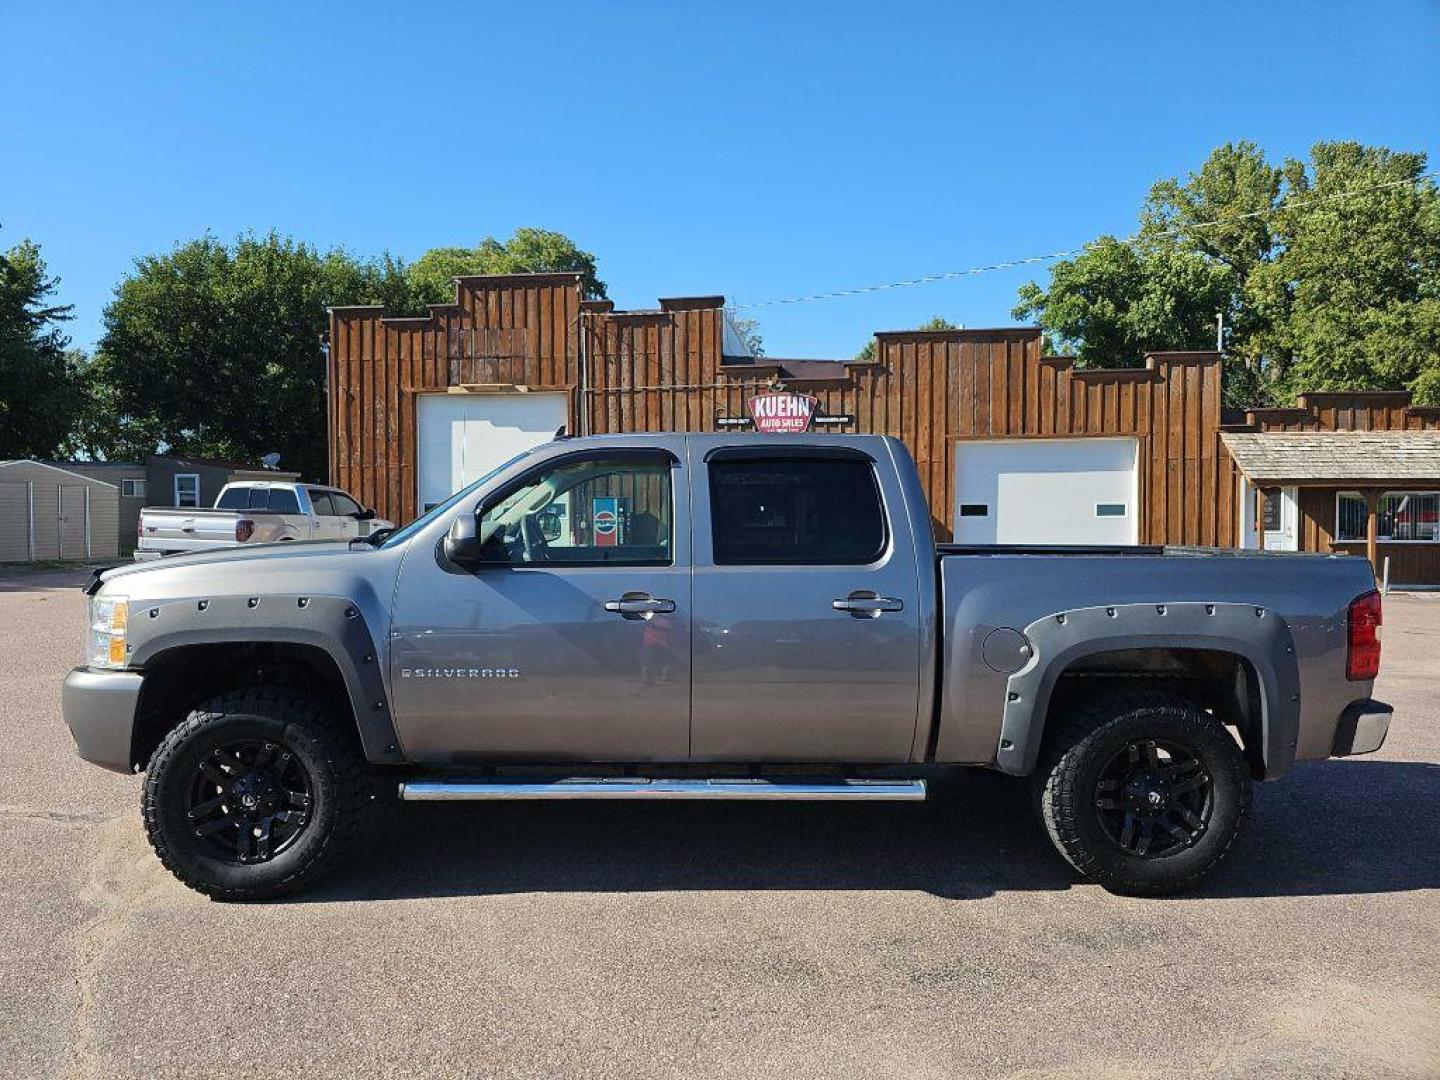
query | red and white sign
[782, 413]
[605, 517]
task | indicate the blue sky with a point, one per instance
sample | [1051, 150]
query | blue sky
[761, 151]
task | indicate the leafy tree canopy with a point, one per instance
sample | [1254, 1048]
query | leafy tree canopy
[214, 349]
[40, 380]
[528, 251]
[1327, 272]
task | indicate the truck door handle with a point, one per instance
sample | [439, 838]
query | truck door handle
[866, 605]
[639, 605]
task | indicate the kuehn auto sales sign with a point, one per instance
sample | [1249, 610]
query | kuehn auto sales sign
[782, 413]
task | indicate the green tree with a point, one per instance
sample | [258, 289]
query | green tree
[939, 322]
[1116, 301]
[214, 349]
[1320, 289]
[40, 381]
[431, 276]
[1352, 296]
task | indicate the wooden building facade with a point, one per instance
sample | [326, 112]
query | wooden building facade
[415, 405]
[1355, 472]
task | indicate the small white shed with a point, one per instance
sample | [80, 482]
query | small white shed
[47, 512]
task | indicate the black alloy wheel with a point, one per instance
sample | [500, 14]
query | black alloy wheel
[1154, 798]
[1142, 791]
[250, 800]
[256, 793]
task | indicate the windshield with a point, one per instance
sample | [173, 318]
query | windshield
[399, 536]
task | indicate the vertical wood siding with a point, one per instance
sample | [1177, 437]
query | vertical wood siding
[662, 370]
[503, 330]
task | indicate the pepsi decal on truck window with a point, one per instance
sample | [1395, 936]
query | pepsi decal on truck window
[782, 413]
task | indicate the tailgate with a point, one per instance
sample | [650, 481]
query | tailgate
[186, 530]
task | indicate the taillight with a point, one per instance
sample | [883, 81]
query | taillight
[244, 529]
[1362, 654]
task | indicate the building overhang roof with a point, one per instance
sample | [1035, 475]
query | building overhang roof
[1336, 458]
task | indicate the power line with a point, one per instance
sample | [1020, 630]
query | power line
[1010, 264]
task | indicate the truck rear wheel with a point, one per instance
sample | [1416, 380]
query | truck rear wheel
[254, 795]
[1144, 793]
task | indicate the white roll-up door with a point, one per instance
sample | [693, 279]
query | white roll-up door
[461, 437]
[1046, 491]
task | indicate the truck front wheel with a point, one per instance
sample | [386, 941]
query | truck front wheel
[1144, 793]
[254, 795]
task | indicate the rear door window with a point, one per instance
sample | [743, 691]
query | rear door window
[284, 501]
[824, 512]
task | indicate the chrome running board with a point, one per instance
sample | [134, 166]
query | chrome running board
[643, 788]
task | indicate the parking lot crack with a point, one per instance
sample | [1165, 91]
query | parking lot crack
[85, 817]
[116, 890]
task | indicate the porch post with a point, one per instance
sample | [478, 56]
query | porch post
[1260, 498]
[1372, 528]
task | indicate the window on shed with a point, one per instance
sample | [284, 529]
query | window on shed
[187, 489]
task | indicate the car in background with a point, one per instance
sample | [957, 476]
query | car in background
[256, 512]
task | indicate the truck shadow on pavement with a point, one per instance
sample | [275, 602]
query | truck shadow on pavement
[1327, 828]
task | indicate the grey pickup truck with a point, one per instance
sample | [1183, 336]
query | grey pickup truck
[714, 617]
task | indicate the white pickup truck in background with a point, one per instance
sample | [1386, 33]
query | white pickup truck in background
[255, 512]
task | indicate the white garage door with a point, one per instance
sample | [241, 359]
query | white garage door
[1046, 491]
[461, 437]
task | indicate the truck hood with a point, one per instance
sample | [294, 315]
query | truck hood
[259, 559]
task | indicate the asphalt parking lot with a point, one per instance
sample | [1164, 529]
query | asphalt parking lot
[941, 939]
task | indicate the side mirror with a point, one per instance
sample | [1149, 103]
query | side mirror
[462, 543]
[365, 515]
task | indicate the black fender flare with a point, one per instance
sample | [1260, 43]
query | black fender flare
[1256, 634]
[333, 624]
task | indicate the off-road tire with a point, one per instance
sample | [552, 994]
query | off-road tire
[319, 742]
[1067, 782]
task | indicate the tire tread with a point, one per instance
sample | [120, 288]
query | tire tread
[327, 733]
[1060, 802]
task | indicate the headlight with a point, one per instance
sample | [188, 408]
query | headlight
[109, 616]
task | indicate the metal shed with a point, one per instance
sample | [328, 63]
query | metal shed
[51, 513]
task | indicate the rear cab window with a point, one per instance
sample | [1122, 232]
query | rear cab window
[235, 498]
[794, 509]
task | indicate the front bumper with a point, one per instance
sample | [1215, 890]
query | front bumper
[99, 708]
[1362, 728]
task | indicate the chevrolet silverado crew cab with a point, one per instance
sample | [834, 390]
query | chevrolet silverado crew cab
[694, 616]
[254, 512]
